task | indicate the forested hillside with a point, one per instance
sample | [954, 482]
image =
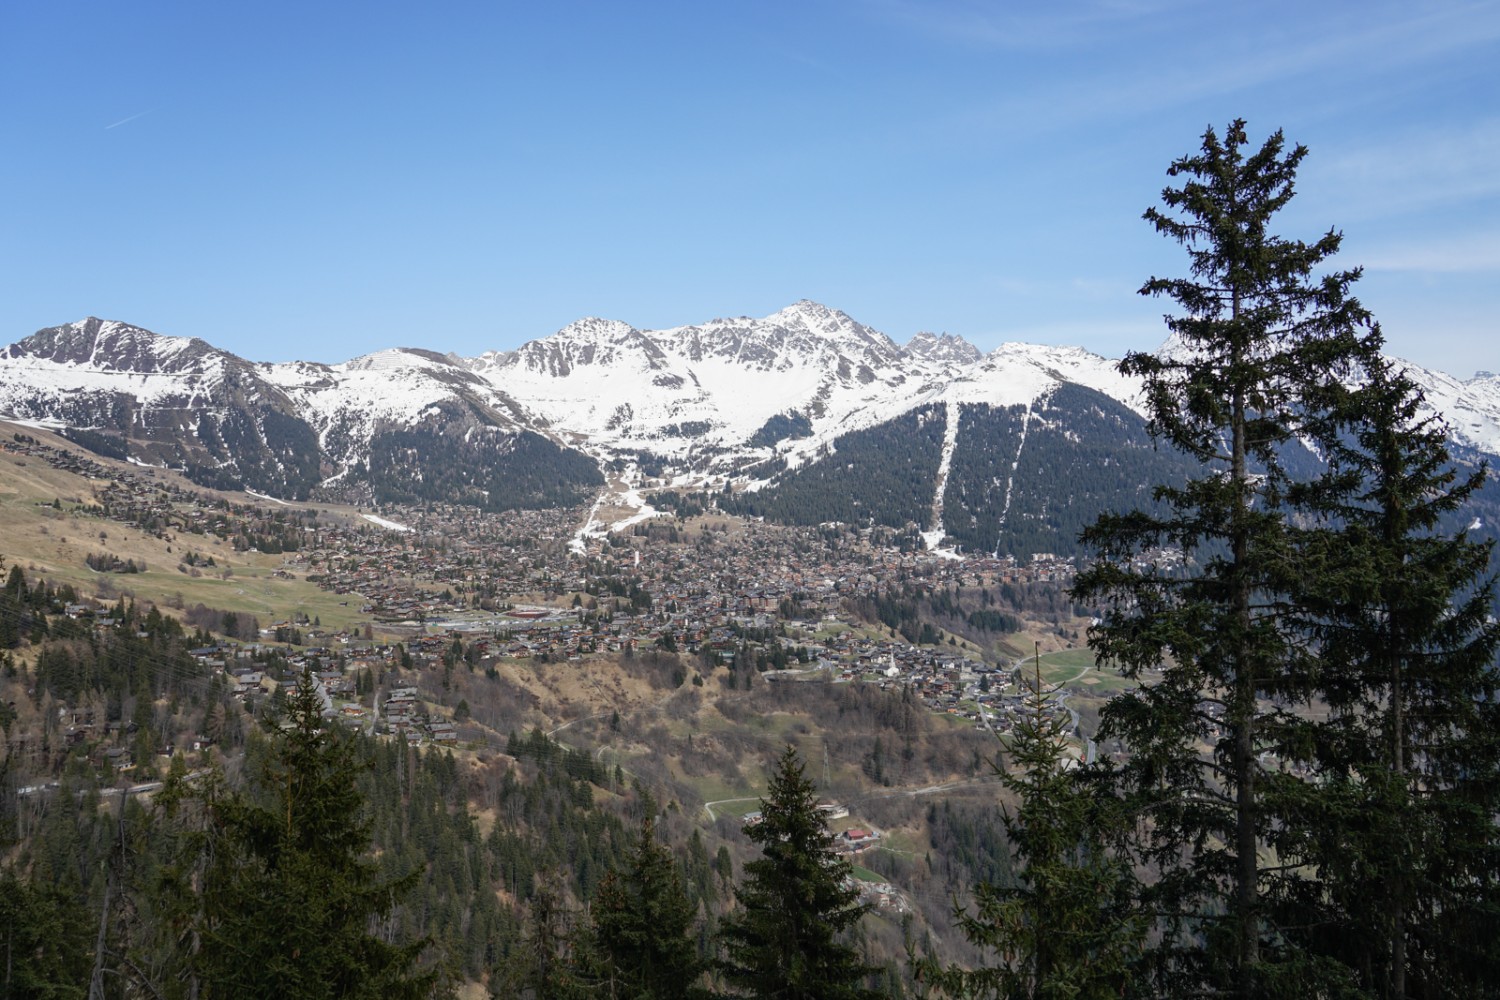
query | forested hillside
[1030, 479]
[490, 853]
[880, 475]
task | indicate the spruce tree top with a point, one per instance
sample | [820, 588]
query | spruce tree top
[1256, 320]
[786, 939]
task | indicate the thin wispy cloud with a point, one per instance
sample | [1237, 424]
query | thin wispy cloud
[1133, 86]
[1411, 170]
[1473, 253]
[986, 25]
[126, 121]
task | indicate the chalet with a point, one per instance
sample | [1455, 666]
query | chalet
[119, 759]
[856, 839]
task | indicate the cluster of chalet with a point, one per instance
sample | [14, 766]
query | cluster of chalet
[405, 716]
[461, 557]
[137, 497]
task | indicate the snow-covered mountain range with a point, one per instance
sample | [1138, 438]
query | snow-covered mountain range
[763, 402]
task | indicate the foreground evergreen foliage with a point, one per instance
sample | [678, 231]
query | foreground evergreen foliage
[1298, 854]
[1404, 836]
[290, 895]
[639, 943]
[1063, 928]
[796, 904]
[1307, 796]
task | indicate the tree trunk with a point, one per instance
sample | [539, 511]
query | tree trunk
[1246, 895]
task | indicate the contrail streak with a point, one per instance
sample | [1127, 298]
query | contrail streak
[122, 121]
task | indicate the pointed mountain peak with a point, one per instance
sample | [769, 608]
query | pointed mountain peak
[109, 344]
[943, 348]
[595, 329]
[814, 316]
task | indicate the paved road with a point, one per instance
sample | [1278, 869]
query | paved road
[709, 806]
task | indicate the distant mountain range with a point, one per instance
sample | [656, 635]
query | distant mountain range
[812, 415]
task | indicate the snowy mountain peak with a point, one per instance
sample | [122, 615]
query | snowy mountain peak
[813, 315]
[834, 324]
[399, 358]
[714, 399]
[946, 349]
[109, 345]
[585, 343]
[595, 330]
[804, 333]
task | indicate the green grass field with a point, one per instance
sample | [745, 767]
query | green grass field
[1070, 659]
[1075, 668]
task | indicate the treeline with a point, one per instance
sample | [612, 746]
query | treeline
[1076, 453]
[25, 608]
[258, 447]
[788, 426]
[239, 625]
[881, 475]
[108, 562]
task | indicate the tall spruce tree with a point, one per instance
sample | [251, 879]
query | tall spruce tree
[1258, 327]
[44, 940]
[539, 968]
[1405, 840]
[787, 938]
[1064, 929]
[290, 894]
[640, 943]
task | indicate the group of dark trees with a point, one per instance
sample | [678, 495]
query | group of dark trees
[879, 475]
[1307, 799]
[491, 469]
[271, 887]
[336, 864]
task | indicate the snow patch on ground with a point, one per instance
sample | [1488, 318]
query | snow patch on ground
[264, 496]
[626, 494]
[43, 424]
[383, 523]
[950, 440]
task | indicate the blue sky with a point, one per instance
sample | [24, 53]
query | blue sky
[320, 180]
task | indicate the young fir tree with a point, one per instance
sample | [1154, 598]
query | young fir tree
[640, 942]
[291, 895]
[1064, 930]
[44, 940]
[1406, 843]
[786, 940]
[539, 968]
[1258, 327]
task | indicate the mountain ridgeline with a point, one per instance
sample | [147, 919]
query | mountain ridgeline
[804, 416]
